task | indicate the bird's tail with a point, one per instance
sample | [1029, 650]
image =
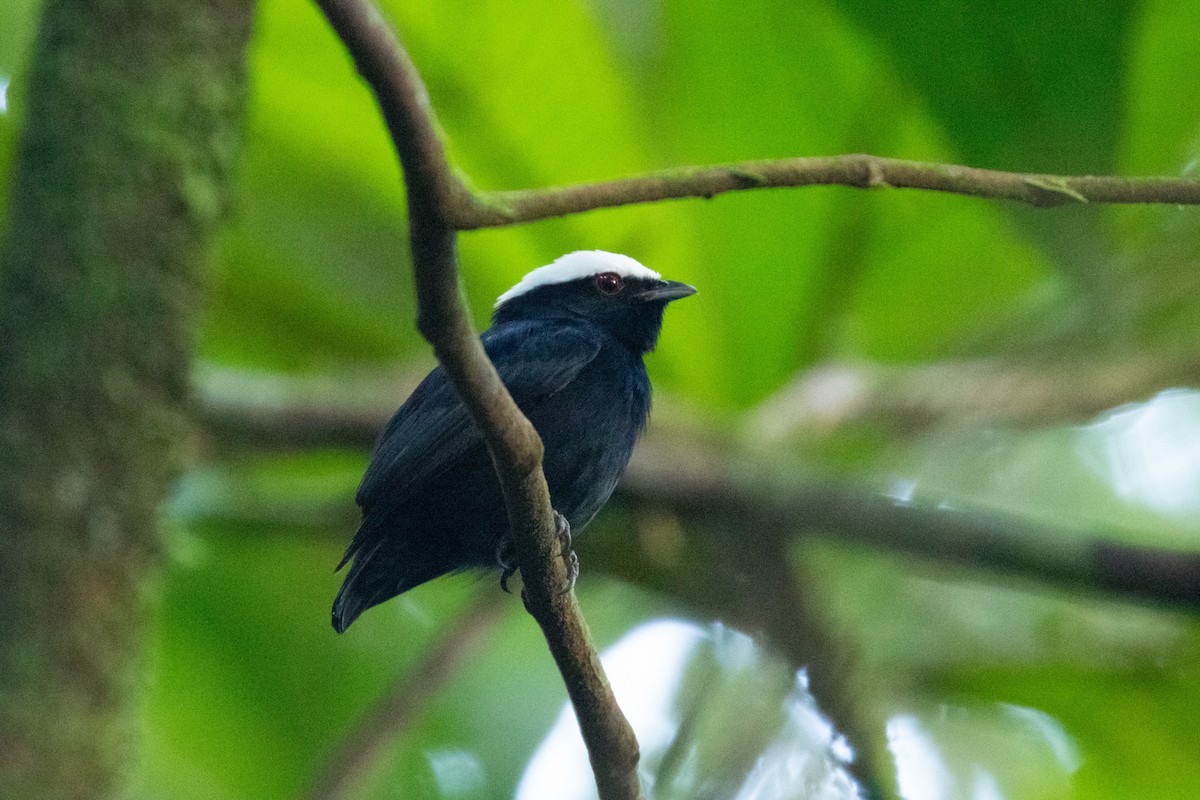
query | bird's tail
[378, 571]
[357, 593]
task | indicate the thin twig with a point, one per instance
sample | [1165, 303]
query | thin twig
[516, 450]
[399, 706]
[858, 171]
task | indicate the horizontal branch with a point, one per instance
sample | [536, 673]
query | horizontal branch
[768, 507]
[277, 411]
[858, 171]
[697, 479]
[698, 482]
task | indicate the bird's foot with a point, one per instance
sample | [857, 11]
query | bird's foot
[506, 557]
[570, 560]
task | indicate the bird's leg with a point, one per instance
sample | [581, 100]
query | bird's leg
[506, 557]
[562, 530]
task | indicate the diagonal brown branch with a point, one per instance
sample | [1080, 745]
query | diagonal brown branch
[859, 171]
[514, 445]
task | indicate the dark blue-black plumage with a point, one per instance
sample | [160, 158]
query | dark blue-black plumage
[568, 343]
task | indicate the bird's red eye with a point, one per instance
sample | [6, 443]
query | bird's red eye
[609, 283]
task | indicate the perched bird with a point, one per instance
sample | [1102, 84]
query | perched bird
[568, 342]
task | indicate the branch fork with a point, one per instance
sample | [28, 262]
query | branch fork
[440, 204]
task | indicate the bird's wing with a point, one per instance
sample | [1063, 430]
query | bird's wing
[432, 430]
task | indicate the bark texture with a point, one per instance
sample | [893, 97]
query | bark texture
[132, 125]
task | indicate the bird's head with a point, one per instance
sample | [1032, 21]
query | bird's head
[610, 290]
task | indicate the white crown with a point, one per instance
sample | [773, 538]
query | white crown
[580, 264]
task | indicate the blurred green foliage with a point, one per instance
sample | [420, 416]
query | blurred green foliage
[248, 688]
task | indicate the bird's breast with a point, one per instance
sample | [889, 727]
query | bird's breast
[589, 429]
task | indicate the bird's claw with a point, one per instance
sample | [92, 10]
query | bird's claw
[507, 559]
[570, 559]
[505, 574]
[572, 562]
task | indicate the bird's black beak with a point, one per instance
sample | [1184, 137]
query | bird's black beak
[666, 291]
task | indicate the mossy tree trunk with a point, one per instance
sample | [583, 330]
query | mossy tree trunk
[132, 125]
